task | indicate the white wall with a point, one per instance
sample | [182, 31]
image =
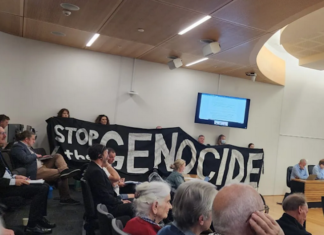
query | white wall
[38, 79]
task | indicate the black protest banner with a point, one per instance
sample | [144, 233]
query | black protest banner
[139, 151]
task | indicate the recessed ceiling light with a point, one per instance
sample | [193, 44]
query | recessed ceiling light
[93, 39]
[194, 25]
[140, 30]
[197, 61]
[69, 6]
[60, 34]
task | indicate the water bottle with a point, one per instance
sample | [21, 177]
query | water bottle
[50, 192]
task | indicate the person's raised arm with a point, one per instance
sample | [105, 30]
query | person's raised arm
[113, 174]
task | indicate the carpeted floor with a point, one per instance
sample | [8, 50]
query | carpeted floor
[68, 219]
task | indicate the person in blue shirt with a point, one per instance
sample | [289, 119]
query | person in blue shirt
[319, 170]
[299, 171]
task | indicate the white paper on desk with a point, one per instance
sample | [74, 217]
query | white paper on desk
[36, 181]
[132, 182]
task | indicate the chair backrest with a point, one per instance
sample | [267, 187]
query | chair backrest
[89, 207]
[117, 228]
[310, 169]
[289, 170]
[7, 159]
[323, 204]
[154, 176]
[40, 151]
[104, 219]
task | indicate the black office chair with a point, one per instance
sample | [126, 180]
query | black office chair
[310, 169]
[117, 227]
[289, 170]
[323, 204]
[104, 219]
[90, 218]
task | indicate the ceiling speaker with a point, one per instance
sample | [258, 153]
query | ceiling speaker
[175, 63]
[211, 48]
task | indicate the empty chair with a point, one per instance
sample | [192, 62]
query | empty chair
[90, 218]
[323, 204]
[310, 169]
[104, 219]
[289, 170]
[117, 228]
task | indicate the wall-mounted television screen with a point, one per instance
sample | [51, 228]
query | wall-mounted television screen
[221, 110]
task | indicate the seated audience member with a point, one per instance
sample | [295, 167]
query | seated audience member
[17, 185]
[239, 209]
[201, 139]
[51, 170]
[114, 176]
[176, 178]
[296, 209]
[102, 119]
[221, 140]
[299, 171]
[64, 113]
[152, 204]
[4, 121]
[191, 209]
[318, 170]
[251, 146]
[101, 188]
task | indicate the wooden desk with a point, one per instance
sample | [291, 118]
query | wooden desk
[313, 190]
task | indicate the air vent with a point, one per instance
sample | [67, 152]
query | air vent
[60, 34]
[69, 6]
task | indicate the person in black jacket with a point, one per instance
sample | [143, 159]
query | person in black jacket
[296, 209]
[17, 185]
[101, 188]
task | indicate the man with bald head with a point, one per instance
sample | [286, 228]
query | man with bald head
[239, 209]
[299, 171]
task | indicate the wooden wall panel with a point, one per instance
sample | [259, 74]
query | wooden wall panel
[14, 7]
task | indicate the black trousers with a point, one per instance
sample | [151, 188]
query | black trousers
[37, 193]
[123, 210]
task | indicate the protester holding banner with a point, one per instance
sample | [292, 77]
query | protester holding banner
[201, 139]
[221, 140]
[64, 113]
[102, 119]
[101, 188]
[176, 178]
[152, 204]
[191, 208]
[251, 146]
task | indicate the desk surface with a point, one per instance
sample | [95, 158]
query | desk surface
[310, 181]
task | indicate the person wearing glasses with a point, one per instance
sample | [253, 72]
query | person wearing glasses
[239, 209]
[296, 209]
[191, 209]
[17, 185]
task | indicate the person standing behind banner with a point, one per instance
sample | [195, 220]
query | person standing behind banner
[102, 119]
[201, 139]
[221, 140]
[251, 146]
[64, 113]
[319, 170]
[176, 178]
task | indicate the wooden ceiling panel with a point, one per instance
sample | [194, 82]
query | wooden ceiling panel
[40, 30]
[203, 6]
[263, 15]
[11, 24]
[120, 47]
[227, 34]
[160, 21]
[90, 17]
[15, 7]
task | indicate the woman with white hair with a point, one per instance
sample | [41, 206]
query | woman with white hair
[192, 209]
[176, 178]
[152, 204]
